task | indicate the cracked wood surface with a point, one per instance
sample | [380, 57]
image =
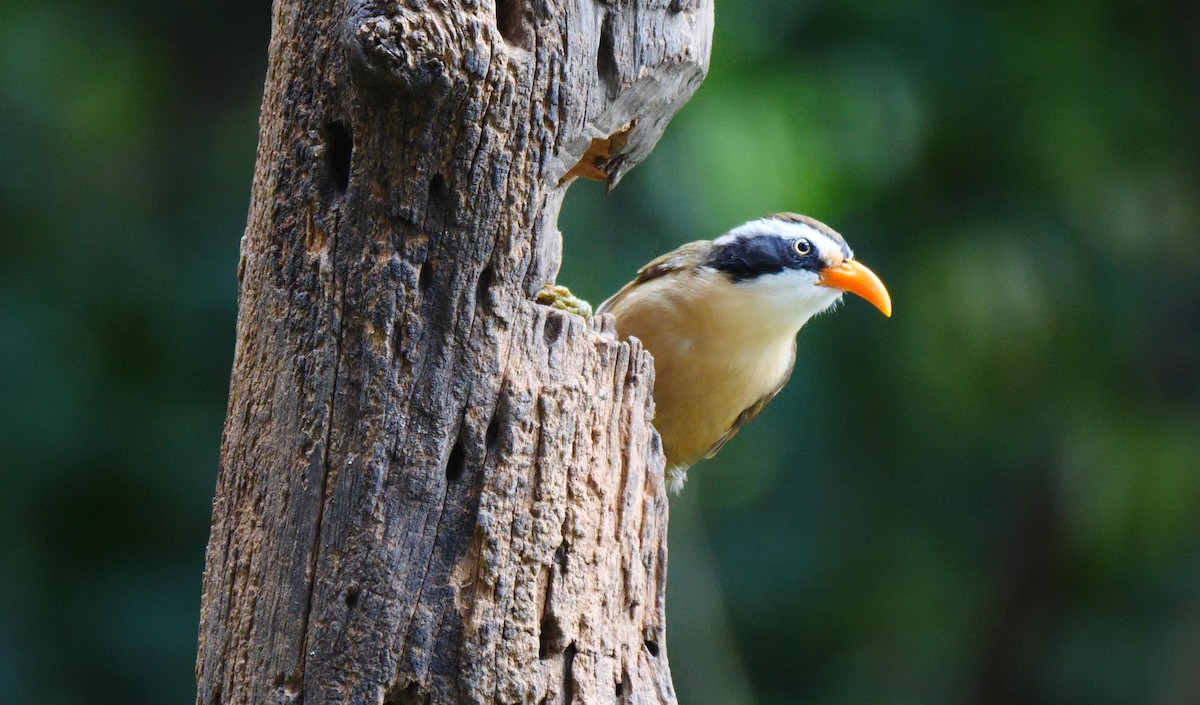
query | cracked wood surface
[432, 490]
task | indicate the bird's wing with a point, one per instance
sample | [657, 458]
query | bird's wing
[753, 410]
[679, 258]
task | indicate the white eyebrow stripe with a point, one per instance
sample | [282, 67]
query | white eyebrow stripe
[789, 230]
[765, 226]
[828, 247]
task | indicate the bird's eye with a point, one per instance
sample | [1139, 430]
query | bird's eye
[802, 247]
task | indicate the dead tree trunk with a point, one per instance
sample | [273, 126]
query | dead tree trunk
[432, 490]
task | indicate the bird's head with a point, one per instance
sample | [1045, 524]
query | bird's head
[794, 266]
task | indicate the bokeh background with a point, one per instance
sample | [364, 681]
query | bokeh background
[993, 497]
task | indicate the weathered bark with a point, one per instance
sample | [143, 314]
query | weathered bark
[432, 490]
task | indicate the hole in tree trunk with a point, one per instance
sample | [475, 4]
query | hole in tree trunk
[623, 688]
[560, 556]
[493, 431]
[425, 278]
[550, 637]
[483, 285]
[339, 152]
[408, 695]
[606, 55]
[652, 647]
[457, 461]
[439, 194]
[569, 673]
[512, 22]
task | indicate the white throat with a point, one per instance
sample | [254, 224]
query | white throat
[771, 308]
[790, 298]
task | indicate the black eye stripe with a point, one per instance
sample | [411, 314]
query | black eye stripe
[745, 258]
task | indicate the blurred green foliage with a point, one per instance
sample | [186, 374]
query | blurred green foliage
[993, 497]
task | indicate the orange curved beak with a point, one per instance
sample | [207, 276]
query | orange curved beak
[855, 278]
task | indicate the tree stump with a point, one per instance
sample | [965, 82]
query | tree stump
[432, 490]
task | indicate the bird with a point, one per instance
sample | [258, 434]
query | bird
[720, 318]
